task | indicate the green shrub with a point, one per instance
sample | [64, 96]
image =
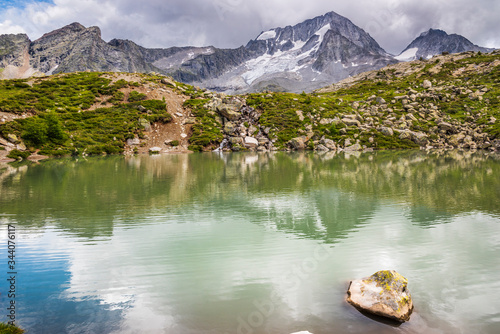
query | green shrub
[174, 143]
[18, 155]
[195, 148]
[10, 329]
[136, 96]
[35, 131]
[55, 132]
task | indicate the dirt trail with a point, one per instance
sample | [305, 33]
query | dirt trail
[161, 134]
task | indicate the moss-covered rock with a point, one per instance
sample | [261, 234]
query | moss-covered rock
[384, 293]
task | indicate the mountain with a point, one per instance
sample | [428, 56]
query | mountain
[434, 42]
[296, 58]
[303, 57]
[77, 48]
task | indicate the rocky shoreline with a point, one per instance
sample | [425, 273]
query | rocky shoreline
[243, 131]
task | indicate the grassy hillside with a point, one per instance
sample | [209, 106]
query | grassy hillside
[447, 101]
[63, 117]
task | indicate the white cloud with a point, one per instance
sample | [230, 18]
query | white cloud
[231, 23]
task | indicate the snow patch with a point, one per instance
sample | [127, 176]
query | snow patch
[408, 55]
[267, 35]
[321, 32]
[51, 71]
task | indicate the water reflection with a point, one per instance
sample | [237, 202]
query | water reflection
[211, 243]
[307, 193]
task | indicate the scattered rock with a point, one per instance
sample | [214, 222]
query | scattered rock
[298, 143]
[144, 123]
[351, 122]
[251, 142]
[385, 294]
[456, 140]
[12, 138]
[230, 108]
[355, 147]
[325, 121]
[386, 131]
[190, 120]
[405, 135]
[21, 146]
[447, 127]
[229, 128]
[300, 114]
[380, 100]
[419, 138]
[427, 84]
[329, 144]
[132, 142]
[236, 141]
[321, 147]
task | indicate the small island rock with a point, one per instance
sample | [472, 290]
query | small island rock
[385, 293]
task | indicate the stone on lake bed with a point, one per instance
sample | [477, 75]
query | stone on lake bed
[155, 150]
[385, 294]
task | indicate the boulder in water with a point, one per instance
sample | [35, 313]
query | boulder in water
[385, 294]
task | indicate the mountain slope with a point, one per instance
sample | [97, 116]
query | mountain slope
[434, 42]
[306, 56]
[452, 101]
[296, 58]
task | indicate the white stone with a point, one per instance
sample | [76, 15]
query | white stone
[251, 142]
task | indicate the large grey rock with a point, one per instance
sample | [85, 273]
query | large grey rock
[144, 123]
[21, 146]
[385, 294]
[251, 142]
[457, 139]
[12, 138]
[405, 134]
[329, 144]
[230, 108]
[427, 84]
[352, 148]
[298, 143]
[229, 128]
[236, 141]
[351, 122]
[134, 141]
[386, 131]
[419, 138]
[447, 127]
[322, 148]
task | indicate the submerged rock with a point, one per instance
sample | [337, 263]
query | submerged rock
[155, 150]
[385, 294]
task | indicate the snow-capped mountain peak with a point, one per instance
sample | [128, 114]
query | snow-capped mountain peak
[434, 42]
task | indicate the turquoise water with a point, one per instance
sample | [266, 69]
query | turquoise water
[250, 243]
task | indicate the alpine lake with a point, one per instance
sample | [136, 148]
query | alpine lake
[249, 243]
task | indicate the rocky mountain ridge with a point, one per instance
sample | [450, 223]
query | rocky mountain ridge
[303, 57]
[435, 42]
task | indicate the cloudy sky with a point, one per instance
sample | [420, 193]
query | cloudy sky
[231, 23]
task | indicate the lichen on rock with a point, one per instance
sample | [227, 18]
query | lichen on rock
[385, 294]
